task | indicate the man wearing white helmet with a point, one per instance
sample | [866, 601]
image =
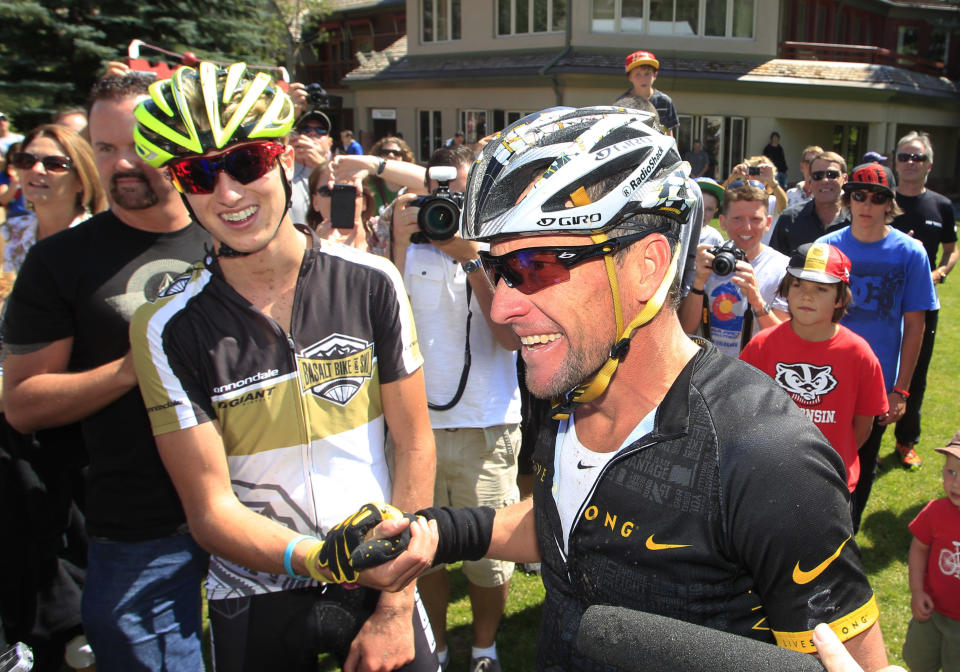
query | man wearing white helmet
[655, 487]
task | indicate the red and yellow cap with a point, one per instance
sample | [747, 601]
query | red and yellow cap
[638, 58]
[820, 262]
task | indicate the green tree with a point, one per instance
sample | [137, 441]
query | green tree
[51, 51]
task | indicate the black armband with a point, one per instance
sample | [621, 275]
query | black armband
[465, 533]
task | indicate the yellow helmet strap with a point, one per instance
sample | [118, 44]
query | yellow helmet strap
[592, 389]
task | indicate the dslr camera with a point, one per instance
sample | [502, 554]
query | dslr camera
[319, 99]
[439, 216]
[725, 258]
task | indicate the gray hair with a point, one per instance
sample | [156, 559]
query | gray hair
[922, 138]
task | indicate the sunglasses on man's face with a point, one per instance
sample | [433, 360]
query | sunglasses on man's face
[825, 175]
[875, 197]
[906, 157]
[246, 163]
[533, 268]
[52, 164]
[312, 130]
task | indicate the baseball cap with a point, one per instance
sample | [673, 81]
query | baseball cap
[874, 157]
[873, 177]
[315, 115]
[638, 58]
[819, 262]
[3, 117]
[952, 447]
[708, 185]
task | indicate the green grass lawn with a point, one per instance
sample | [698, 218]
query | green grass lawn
[884, 539]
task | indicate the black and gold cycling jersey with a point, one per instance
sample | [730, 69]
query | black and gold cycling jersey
[300, 412]
[731, 513]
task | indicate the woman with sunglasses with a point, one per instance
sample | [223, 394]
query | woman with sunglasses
[389, 168]
[365, 234]
[59, 179]
[892, 290]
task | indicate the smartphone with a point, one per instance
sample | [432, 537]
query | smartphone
[343, 204]
[753, 170]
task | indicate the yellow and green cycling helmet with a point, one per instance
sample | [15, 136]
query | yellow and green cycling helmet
[207, 108]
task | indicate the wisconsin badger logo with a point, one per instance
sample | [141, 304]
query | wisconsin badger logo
[335, 368]
[806, 383]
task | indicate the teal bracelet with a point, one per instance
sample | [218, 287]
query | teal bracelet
[288, 555]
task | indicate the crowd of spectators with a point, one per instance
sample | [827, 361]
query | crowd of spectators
[831, 285]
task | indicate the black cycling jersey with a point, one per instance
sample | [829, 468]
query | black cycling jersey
[732, 514]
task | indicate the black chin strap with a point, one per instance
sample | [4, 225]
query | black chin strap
[225, 250]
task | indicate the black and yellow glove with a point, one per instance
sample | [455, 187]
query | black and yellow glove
[344, 551]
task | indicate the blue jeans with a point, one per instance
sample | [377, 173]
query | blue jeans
[141, 604]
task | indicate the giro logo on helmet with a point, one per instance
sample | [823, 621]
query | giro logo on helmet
[619, 147]
[570, 221]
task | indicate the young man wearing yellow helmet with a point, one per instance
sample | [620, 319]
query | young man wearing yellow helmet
[271, 373]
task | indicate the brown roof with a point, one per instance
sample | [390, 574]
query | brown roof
[393, 64]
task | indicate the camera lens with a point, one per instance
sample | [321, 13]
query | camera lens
[439, 219]
[724, 264]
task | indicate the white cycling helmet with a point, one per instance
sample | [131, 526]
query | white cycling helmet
[591, 169]
[568, 151]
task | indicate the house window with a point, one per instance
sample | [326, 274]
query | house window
[518, 17]
[430, 133]
[939, 45]
[441, 20]
[724, 139]
[503, 118]
[711, 18]
[473, 123]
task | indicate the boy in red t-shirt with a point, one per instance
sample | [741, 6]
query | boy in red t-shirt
[829, 371]
[933, 636]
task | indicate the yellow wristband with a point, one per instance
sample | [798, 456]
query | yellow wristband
[312, 563]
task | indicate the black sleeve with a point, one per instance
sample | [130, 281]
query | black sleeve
[40, 307]
[778, 239]
[789, 523]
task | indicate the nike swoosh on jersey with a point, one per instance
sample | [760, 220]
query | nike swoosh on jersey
[654, 546]
[581, 465]
[801, 577]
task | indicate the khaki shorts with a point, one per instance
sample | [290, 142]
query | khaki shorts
[478, 467]
[933, 644]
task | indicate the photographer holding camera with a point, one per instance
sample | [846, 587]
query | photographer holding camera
[734, 290]
[470, 370]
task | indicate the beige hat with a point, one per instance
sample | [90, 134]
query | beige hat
[952, 447]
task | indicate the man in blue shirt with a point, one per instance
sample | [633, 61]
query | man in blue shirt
[892, 290]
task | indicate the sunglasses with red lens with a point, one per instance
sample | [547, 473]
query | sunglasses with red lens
[53, 164]
[246, 163]
[533, 268]
[875, 197]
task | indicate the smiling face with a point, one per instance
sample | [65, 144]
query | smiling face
[827, 189]
[44, 187]
[745, 224]
[558, 325]
[244, 216]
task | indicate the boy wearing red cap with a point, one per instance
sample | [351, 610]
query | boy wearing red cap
[642, 68]
[933, 636]
[829, 371]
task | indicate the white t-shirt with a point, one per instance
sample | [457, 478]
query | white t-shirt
[728, 304]
[437, 287]
[578, 468]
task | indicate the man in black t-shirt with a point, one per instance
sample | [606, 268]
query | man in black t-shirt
[928, 217]
[66, 334]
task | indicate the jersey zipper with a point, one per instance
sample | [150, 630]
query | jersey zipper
[583, 505]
